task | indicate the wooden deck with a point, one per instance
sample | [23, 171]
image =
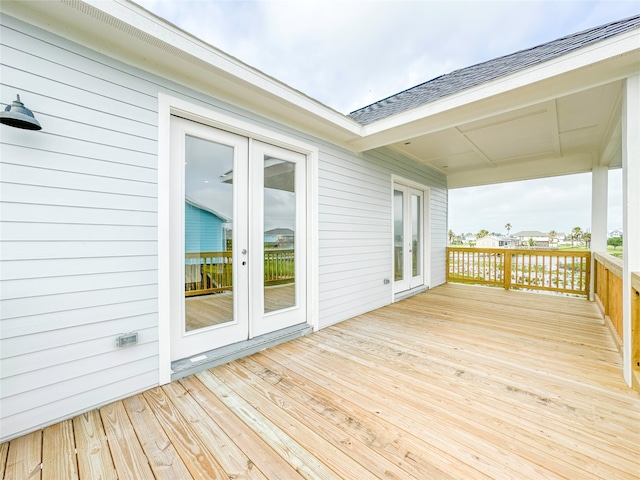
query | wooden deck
[458, 382]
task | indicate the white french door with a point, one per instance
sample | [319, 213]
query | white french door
[408, 237]
[237, 238]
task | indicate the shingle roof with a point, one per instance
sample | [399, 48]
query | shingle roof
[483, 72]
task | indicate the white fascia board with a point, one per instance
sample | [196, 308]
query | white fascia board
[402, 126]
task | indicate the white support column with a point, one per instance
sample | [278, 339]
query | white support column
[630, 207]
[599, 194]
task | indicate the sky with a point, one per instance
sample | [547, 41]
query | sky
[349, 54]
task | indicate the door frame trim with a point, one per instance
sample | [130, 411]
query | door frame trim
[209, 115]
[426, 228]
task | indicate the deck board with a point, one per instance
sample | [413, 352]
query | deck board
[458, 382]
[94, 457]
[58, 452]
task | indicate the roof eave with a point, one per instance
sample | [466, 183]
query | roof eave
[603, 62]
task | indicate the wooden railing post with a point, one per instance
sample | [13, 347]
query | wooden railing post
[508, 256]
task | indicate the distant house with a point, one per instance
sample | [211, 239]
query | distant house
[540, 239]
[279, 237]
[204, 228]
[615, 233]
[468, 238]
[491, 241]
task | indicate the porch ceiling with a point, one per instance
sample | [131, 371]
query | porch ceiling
[566, 135]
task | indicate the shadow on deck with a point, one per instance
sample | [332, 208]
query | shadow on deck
[457, 382]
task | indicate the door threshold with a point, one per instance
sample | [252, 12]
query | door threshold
[205, 360]
[410, 293]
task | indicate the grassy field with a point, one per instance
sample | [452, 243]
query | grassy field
[614, 251]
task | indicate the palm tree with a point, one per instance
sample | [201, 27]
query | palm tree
[576, 235]
[587, 239]
[482, 233]
[508, 228]
[552, 235]
[452, 236]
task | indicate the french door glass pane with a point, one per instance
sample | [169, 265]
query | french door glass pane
[279, 234]
[208, 237]
[415, 235]
[398, 234]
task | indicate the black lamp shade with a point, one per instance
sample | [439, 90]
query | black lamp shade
[19, 116]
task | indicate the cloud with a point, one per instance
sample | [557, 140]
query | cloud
[348, 54]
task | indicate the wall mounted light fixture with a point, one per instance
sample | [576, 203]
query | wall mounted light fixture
[19, 116]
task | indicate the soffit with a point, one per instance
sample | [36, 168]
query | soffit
[565, 135]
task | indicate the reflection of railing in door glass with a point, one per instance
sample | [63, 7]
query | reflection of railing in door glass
[212, 272]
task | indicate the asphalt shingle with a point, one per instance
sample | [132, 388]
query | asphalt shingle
[468, 77]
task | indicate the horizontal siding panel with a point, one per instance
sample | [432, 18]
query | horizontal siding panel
[355, 267]
[103, 394]
[341, 234]
[41, 176]
[331, 194]
[19, 193]
[375, 227]
[41, 250]
[31, 213]
[79, 317]
[76, 69]
[70, 91]
[74, 109]
[381, 249]
[349, 287]
[39, 287]
[356, 181]
[333, 219]
[355, 259]
[45, 348]
[361, 210]
[377, 296]
[114, 168]
[67, 128]
[57, 371]
[342, 243]
[20, 231]
[353, 270]
[342, 161]
[67, 390]
[19, 269]
[339, 313]
[346, 165]
[12, 405]
[42, 143]
[24, 307]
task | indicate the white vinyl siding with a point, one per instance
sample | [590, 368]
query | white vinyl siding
[79, 231]
[78, 206]
[355, 229]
